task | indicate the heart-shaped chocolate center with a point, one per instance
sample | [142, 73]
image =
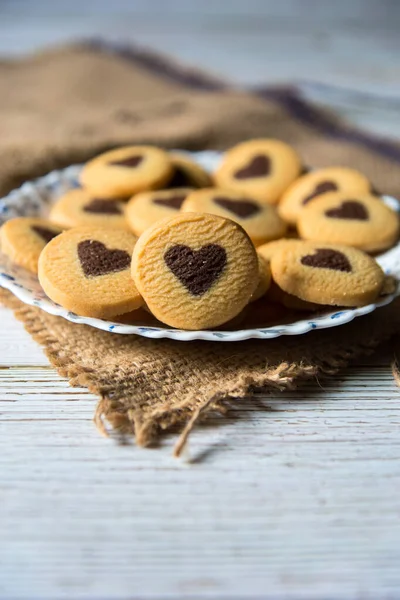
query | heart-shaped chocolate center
[103, 206]
[181, 178]
[259, 166]
[172, 202]
[241, 208]
[96, 259]
[44, 233]
[321, 188]
[131, 162]
[197, 270]
[326, 258]
[349, 209]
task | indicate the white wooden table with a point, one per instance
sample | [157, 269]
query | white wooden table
[296, 500]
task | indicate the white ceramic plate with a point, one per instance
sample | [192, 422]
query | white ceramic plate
[34, 198]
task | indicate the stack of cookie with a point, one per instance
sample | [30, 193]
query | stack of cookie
[149, 232]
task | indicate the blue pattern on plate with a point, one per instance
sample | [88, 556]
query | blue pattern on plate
[33, 198]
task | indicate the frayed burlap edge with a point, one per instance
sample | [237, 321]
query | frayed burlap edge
[124, 416]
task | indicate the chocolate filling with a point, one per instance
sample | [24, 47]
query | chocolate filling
[241, 208]
[197, 270]
[349, 209]
[259, 166]
[44, 233]
[103, 206]
[131, 162]
[321, 188]
[181, 178]
[172, 202]
[96, 259]
[326, 258]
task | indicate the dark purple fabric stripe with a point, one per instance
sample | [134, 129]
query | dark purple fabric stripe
[157, 64]
[306, 113]
[288, 97]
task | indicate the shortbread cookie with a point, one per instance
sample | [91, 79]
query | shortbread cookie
[140, 316]
[260, 220]
[275, 294]
[327, 274]
[361, 221]
[126, 171]
[261, 169]
[87, 271]
[187, 173]
[78, 207]
[147, 208]
[195, 271]
[315, 183]
[268, 250]
[264, 281]
[22, 240]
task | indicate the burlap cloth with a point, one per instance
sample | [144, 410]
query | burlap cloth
[63, 106]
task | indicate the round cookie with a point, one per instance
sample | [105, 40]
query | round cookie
[125, 171]
[327, 274]
[87, 271]
[318, 182]
[187, 173]
[145, 209]
[261, 169]
[264, 279]
[268, 250]
[78, 207]
[195, 271]
[275, 294]
[361, 221]
[23, 239]
[261, 221]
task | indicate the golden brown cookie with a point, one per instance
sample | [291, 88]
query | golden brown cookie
[264, 281]
[195, 271]
[126, 171]
[316, 183]
[361, 221]
[22, 240]
[327, 274]
[147, 208]
[261, 169]
[260, 220]
[275, 294]
[269, 249]
[187, 173]
[87, 271]
[78, 207]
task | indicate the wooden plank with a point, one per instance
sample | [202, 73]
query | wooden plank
[292, 496]
[274, 505]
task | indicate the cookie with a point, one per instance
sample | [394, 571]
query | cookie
[140, 316]
[261, 169]
[145, 209]
[275, 294]
[268, 250]
[187, 173]
[315, 183]
[260, 220]
[361, 221]
[195, 271]
[78, 207]
[87, 271]
[126, 171]
[327, 274]
[264, 279]
[22, 240]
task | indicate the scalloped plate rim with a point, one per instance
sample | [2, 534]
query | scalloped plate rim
[207, 159]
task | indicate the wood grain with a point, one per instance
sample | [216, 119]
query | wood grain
[292, 496]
